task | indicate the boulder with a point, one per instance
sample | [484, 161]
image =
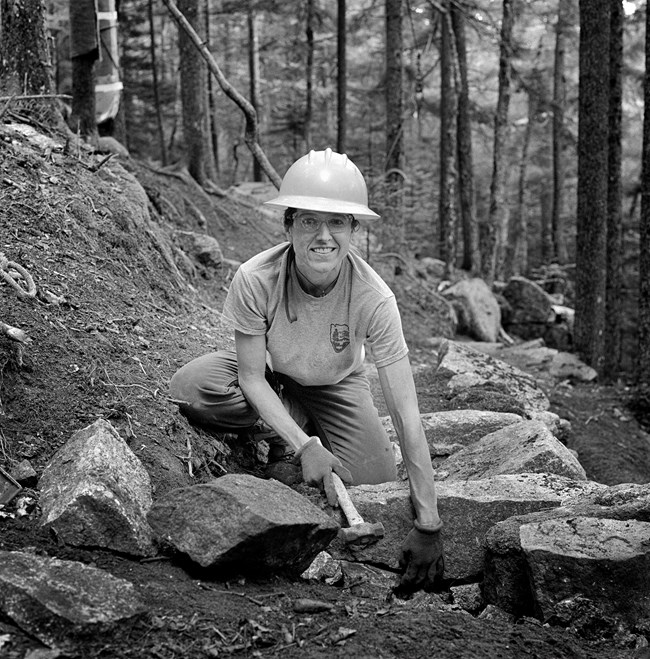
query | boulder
[523, 447]
[606, 561]
[479, 315]
[468, 509]
[96, 493]
[468, 369]
[506, 579]
[566, 365]
[463, 426]
[203, 248]
[243, 523]
[529, 302]
[449, 431]
[59, 602]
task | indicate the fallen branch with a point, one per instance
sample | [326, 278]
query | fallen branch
[251, 133]
[35, 97]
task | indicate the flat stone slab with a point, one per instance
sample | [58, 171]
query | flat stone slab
[243, 523]
[523, 447]
[57, 601]
[96, 493]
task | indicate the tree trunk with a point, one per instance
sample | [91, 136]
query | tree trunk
[471, 253]
[393, 225]
[213, 121]
[643, 372]
[341, 84]
[84, 52]
[251, 129]
[448, 143]
[559, 104]
[546, 215]
[156, 89]
[193, 99]
[309, 74]
[496, 228]
[613, 312]
[254, 76]
[25, 62]
[518, 264]
[593, 112]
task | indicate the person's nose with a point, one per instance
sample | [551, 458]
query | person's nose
[324, 231]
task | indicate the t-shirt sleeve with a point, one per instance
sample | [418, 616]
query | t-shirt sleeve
[243, 310]
[385, 336]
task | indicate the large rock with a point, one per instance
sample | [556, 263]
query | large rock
[468, 509]
[478, 311]
[243, 523]
[59, 602]
[506, 579]
[96, 493]
[529, 302]
[464, 426]
[449, 431]
[469, 369]
[523, 447]
[606, 561]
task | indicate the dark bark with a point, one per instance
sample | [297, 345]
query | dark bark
[593, 113]
[614, 305]
[496, 228]
[156, 91]
[309, 74]
[448, 143]
[25, 63]
[341, 83]
[518, 263]
[546, 216]
[193, 98]
[559, 104]
[471, 260]
[393, 225]
[643, 373]
[254, 76]
[82, 118]
[213, 126]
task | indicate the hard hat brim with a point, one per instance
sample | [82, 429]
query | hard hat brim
[323, 204]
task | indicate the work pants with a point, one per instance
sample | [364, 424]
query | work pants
[343, 415]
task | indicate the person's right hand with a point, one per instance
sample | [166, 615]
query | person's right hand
[317, 467]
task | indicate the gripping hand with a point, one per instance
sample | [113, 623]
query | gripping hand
[317, 467]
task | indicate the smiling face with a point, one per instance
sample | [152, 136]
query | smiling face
[321, 248]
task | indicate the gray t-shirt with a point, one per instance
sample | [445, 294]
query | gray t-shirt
[315, 340]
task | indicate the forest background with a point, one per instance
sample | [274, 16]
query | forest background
[502, 137]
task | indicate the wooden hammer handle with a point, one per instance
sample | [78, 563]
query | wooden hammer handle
[345, 502]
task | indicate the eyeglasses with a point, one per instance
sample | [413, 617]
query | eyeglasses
[334, 224]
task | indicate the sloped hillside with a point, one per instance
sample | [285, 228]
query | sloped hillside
[131, 267]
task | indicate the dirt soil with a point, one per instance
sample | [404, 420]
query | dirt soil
[124, 299]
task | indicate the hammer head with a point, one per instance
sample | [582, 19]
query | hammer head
[361, 535]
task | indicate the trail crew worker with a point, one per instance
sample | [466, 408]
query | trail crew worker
[303, 313]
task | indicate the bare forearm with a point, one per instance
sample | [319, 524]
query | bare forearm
[417, 460]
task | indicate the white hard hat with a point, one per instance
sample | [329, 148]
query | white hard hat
[325, 181]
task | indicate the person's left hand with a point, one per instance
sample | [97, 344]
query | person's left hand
[422, 560]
